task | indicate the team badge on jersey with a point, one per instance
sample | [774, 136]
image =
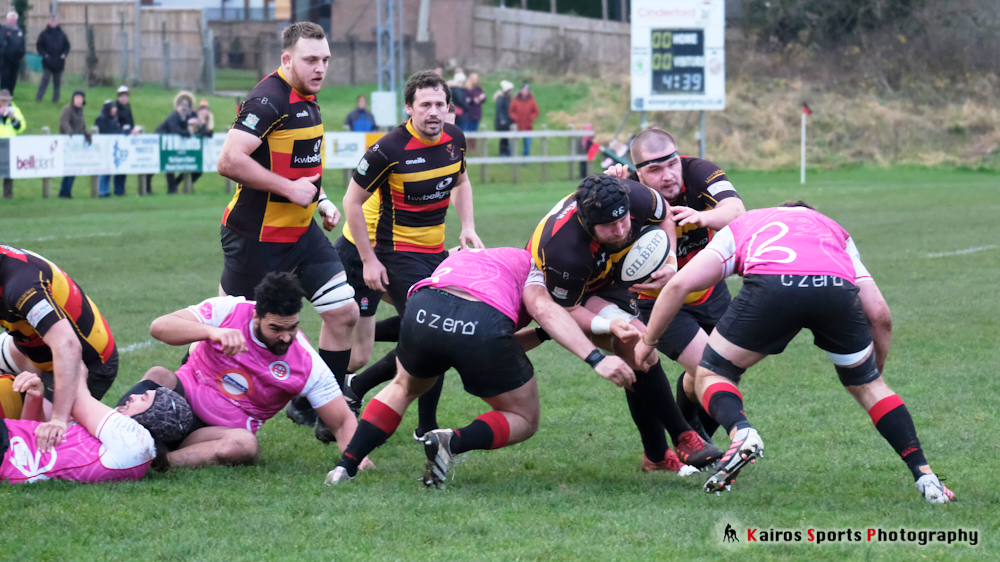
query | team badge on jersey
[452, 151]
[251, 121]
[363, 166]
[280, 370]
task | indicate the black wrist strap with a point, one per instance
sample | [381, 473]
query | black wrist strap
[543, 336]
[594, 358]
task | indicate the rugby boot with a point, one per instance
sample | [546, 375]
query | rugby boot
[323, 433]
[354, 402]
[300, 411]
[933, 490]
[338, 476]
[670, 463]
[437, 447]
[695, 451]
[744, 450]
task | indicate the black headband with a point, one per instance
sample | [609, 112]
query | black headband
[656, 160]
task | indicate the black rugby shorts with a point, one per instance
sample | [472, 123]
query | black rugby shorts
[404, 269]
[690, 318]
[99, 378]
[366, 298]
[440, 331]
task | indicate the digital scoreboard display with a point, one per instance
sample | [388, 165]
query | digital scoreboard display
[678, 61]
[678, 55]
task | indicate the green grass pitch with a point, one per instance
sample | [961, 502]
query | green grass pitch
[574, 491]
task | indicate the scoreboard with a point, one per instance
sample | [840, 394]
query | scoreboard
[678, 55]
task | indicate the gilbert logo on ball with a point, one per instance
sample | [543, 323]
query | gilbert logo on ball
[648, 254]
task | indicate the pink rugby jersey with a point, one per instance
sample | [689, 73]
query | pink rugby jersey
[247, 390]
[496, 276]
[122, 450]
[788, 241]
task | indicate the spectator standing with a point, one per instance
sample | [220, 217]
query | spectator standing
[360, 120]
[524, 111]
[474, 99]
[107, 124]
[125, 111]
[11, 123]
[53, 46]
[502, 121]
[458, 94]
[207, 120]
[182, 121]
[71, 122]
[11, 52]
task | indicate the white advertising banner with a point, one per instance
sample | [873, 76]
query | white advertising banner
[87, 159]
[211, 148]
[678, 55]
[134, 154]
[344, 150]
[37, 156]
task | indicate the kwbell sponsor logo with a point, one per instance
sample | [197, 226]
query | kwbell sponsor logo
[416, 161]
[647, 251]
[314, 159]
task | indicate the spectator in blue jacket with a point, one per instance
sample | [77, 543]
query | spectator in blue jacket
[360, 120]
[107, 124]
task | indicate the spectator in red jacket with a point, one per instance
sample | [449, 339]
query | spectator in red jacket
[524, 111]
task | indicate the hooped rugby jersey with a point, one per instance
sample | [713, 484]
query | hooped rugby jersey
[291, 130]
[573, 262]
[411, 181]
[34, 295]
[703, 185]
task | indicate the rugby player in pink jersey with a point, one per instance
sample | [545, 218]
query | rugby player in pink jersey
[250, 360]
[800, 270]
[465, 316]
[101, 444]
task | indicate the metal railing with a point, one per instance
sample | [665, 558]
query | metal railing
[573, 157]
[238, 14]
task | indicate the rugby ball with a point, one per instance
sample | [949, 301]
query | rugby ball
[647, 255]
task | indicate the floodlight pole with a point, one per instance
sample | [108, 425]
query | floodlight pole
[138, 43]
[803, 147]
[388, 52]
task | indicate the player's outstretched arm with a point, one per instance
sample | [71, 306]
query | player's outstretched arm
[716, 219]
[183, 328]
[339, 418]
[564, 330]
[236, 164]
[34, 395]
[374, 272]
[461, 198]
[879, 318]
[68, 369]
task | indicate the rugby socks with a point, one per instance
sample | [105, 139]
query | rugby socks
[388, 329]
[377, 423]
[693, 412]
[381, 371]
[337, 361]
[725, 403]
[654, 441]
[654, 389]
[489, 431]
[427, 407]
[893, 421]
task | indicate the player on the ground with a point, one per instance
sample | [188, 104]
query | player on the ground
[54, 330]
[100, 445]
[395, 208]
[800, 270]
[578, 247]
[465, 316]
[702, 202]
[275, 152]
[251, 360]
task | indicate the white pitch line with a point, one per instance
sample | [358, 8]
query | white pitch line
[136, 346]
[69, 237]
[963, 252]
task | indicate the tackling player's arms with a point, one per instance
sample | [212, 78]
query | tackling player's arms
[183, 327]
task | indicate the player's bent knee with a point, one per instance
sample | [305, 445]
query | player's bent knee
[721, 366]
[858, 374]
[336, 294]
[239, 446]
[161, 376]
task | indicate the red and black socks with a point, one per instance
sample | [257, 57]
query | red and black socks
[724, 402]
[377, 423]
[893, 421]
[489, 431]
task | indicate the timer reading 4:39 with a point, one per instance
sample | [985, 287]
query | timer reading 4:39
[678, 61]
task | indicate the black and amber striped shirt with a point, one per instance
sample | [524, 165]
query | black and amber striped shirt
[411, 181]
[291, 130]
[34, 295]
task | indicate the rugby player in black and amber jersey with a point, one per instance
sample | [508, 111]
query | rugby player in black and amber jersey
[702, 202]
[275, 152]
[578, 247]
[399, 196]
[55, 330]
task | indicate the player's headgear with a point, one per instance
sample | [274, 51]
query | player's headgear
[169, 418]
[601, 199]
